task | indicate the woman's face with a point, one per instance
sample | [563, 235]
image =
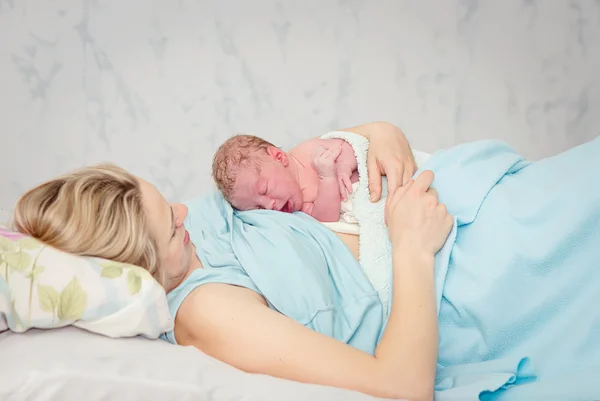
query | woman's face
[176, 252]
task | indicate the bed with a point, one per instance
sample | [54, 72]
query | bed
[72, 364]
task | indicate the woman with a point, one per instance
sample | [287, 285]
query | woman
[108, 213]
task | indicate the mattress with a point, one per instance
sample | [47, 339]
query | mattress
[71, 364]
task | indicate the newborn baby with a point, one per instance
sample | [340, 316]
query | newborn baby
[313, 177]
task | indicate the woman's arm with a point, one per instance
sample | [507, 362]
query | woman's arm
[235, 325]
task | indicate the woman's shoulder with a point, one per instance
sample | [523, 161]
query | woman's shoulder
[205, 307]
[204, 278]
[209, 294]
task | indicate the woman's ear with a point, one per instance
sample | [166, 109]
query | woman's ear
[278, 155]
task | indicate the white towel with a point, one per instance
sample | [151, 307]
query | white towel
[375, 254]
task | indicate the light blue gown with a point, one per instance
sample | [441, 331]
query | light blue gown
[519, 277]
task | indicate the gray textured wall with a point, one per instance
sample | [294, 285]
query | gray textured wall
[156, 85]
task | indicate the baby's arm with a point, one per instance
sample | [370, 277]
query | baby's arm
[346, 166]
[323, 157]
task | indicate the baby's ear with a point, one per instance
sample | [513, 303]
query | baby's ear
[278, 155]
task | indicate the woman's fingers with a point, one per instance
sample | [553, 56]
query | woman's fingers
[407, 175]
[424, 180]
[433, 193]
[374, 173]
[394, 177]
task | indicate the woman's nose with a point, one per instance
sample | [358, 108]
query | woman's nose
[180, 211]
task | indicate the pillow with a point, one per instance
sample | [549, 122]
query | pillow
[42, 287]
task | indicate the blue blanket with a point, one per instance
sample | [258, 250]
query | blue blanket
[517, 281]
[519, 315]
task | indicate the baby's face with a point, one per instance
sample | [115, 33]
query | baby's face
[274, 188]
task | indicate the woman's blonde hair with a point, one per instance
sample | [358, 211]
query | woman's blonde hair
[95, 211]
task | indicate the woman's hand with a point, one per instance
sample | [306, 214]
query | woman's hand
[416, 219]
[389, 155]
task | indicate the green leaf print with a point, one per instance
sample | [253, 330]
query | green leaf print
[6, 245]
[134, 281]
[18, 322]
[111, 270]
[18, 260]
[143, 273]
[73, 301]
[48, 298]
[29, 243]
[35, 272]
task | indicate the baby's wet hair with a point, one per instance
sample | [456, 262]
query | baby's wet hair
[236, 153]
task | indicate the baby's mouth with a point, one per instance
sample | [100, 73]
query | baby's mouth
[287, 207]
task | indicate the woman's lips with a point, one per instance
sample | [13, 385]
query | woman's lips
[186, 238]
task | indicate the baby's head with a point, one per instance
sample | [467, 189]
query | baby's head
[255, 174]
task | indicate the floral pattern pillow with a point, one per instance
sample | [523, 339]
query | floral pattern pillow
[42, 287]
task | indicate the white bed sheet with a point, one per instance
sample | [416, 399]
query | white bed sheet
[71, 364]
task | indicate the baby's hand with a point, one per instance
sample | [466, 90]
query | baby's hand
[344, 173]
[324, 161]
